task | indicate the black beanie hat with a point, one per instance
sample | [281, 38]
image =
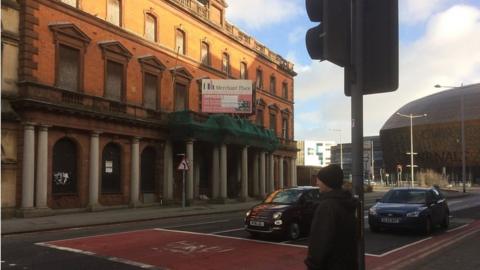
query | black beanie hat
[332, 176]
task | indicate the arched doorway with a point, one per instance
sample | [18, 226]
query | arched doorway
[111, 170]
[64, 167]
[147, 172]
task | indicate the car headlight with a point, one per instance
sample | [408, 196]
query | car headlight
[248, 213]
[372, 211]
[277, 215]
[416, 213]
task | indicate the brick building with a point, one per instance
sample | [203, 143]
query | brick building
[97, 92]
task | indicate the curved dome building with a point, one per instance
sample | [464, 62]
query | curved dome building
[437, 137]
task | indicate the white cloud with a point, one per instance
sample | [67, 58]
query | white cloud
[415, 11]
[448, 53]
[256, 14]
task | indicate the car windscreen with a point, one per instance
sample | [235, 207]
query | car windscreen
[284, 196]
[410, 196]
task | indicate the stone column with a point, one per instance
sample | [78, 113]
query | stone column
[256, 183]
[94, 170]
[196, 178]
[28, 165]
[168, 172]
[190, 172]
[215, 173]
[271, 174]
[244, 194]
[263, 170]
[280, 172]
[223, 171]
[293, 172]
[42, 168]
[135, 173]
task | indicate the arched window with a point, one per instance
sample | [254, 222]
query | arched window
[111, 170]
[148, 170]
[259, 80]
[64, 167]
[180, 42]
[285, 90]
[150, 27]
[273, 84]
[205, 54]
[243, 71]
[226, 63]
[114, 12]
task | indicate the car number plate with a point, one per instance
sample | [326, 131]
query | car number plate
[257, 223]
[391, 220]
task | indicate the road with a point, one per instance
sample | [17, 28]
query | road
[208, 242]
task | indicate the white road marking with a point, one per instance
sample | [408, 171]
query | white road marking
[74, 250]
[402, 247]
[231, 237]
[232, 230]
[458, 228]
[197, 224]
[129, 262]
[113, 259]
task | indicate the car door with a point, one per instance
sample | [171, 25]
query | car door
[435, 207]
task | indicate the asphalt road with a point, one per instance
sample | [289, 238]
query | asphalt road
[22, 252]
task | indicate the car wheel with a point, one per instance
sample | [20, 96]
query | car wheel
[293, 231]
[446, 221]
[374, 229]
[427, 229]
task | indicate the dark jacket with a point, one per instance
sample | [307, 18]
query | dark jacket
[333, 234]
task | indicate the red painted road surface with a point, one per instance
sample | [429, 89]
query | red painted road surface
[176, 250]
[186, 251]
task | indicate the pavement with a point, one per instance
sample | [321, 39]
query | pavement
[60, 220]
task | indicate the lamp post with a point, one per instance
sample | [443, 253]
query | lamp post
[341, 146]
[411, 116]
[462, 120]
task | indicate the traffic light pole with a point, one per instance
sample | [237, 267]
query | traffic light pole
[356, 87]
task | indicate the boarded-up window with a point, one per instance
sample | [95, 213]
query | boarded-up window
[64, 167]
[226, 63]
[273, 122]
[259, 117]
[180, 41]
[114, 81]
[68, 68]
[150, 91]
[180, 97]
[114, 11]
[273, 85]
[72, 3]
[285, 90]
[205, 54]
[243, 71]
[150, 27]
[259, 82]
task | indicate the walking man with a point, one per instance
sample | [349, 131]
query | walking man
[332, 241]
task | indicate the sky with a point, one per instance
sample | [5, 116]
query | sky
[439, 44]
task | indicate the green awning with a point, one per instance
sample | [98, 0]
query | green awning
[220, 129]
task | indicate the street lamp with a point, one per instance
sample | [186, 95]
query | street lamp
[462, 120]
[341, 146]
[411, 116]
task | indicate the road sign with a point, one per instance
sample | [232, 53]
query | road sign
[183, 166]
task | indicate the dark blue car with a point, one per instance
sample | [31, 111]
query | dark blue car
[410, 208]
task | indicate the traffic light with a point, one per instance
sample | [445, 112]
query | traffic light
[330, 40]
[333, 41]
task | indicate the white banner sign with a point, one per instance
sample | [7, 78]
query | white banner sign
[227, 96]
